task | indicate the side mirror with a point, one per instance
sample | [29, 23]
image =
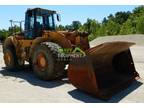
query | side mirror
[58, 17]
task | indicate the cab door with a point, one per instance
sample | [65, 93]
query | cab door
[29, 25]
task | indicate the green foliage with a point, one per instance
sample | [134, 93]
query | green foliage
[3, 34]
[76, 25]
[14, 29]
[92, 36]
[119, 23]
[121, 17]
[114, 24]
[112, 28]
[140, 25]
[102, 30]
[90, 26]
[138, 11]
[60, 28]
[69, 27]
[128, 28]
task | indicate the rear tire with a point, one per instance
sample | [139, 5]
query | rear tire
[11, 60]
[45, 61]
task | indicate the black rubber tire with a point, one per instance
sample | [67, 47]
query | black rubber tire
[14, 64]
[55, 68]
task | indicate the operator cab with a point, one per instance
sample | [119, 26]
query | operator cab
[37, 20]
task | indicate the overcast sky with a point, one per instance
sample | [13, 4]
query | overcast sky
[68, 13]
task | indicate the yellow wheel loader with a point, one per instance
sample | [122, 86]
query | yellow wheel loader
[101, 70]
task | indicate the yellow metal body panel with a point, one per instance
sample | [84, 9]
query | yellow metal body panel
[26, 43]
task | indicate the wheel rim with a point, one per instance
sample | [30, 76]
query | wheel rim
[41, 61]
[7, 57]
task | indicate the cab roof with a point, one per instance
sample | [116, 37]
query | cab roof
[40, 10]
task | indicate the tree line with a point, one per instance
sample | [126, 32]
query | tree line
[120, 23]
[5, 33]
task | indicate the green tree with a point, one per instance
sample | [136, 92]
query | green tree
[112, 28]
[128, 27]
[104, 20]
[90, 26]
[121, 17]
[86, 26]
[92, 37]
[76, 25]
[111, 17]
[101, 31]
[60, 28]
[14, 29]
[69, 27]
[3, 34]
[140, 25]
[138, 11]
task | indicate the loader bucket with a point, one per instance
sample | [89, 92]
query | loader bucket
[105, 70]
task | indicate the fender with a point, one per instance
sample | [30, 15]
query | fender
[51, 37]
[8, 42]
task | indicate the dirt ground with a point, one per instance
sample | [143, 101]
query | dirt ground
[23, 86]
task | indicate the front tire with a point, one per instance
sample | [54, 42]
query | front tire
[45, 61]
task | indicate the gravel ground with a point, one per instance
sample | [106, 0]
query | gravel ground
[23, 86]
[138, 39]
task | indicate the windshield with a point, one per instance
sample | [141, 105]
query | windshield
[47, 22]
